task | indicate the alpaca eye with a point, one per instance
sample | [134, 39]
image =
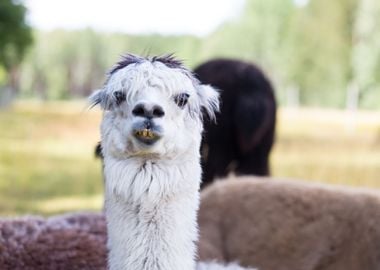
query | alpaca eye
[181, 99]
[119, 96]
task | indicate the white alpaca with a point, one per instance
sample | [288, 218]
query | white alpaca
[150, 135]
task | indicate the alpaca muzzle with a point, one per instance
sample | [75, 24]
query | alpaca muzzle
[147, 132]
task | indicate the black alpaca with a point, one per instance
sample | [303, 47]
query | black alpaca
[242, 138]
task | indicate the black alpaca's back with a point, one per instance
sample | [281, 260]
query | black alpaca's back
[242, 138]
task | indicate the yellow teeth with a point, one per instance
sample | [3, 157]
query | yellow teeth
[147, 133]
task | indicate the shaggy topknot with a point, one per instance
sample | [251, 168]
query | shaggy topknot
[168, 60]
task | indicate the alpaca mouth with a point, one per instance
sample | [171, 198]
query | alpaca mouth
[146, 135]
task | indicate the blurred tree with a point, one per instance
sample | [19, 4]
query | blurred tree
[68, 64]
[15, 37]
[259, 34]
[365, 84]
[322, 66]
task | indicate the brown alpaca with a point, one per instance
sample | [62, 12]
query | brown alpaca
[283, 225]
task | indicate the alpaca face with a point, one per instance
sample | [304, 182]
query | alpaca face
[153, 107]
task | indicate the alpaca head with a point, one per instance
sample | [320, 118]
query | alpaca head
[153, 107]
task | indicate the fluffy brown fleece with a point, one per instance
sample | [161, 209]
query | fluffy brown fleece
[283, 225]
[67, 242]
[274, 225]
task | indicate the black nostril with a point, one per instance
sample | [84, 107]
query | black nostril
[139, 110]
[142, 111]
[158, 111]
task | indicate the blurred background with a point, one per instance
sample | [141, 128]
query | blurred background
[322, 56]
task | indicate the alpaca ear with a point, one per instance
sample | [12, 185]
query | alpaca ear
[99, 97]
[95, 98]
[209, 100]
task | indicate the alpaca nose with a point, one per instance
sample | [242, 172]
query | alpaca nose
[149, 112]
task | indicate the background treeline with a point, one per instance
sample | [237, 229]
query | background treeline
[324, 53]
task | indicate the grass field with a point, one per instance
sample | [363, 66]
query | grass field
[47, 164]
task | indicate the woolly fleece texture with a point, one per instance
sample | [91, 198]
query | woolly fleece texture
[243, 134]
[75, 241]
[285, 225]
[71, 241]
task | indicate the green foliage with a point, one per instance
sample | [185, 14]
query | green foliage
[66, 64]
[366, 53]
[262, 34]
[322, 68]
[317, 52]
[15, 34]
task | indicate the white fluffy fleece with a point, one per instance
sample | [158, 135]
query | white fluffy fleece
[152, 190]
[218, 266]
[151, 213]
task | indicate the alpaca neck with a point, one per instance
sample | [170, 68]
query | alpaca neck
[151, 214]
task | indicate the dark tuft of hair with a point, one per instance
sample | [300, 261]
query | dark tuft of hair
[126, 60]
[98, 151]
[169, 60]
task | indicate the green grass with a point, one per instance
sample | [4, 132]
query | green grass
[328, 146]
[46, 160]
[47, 164]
